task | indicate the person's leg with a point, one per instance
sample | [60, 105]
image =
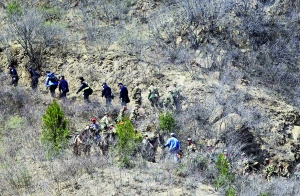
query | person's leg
[14, 81]
[34, 83]
[175, 157]
[63, 96]
[108, 102]
[123, 103]
[52, 90]
[86, 98]
[168, 157]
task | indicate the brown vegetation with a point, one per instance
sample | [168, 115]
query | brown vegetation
[236, 64]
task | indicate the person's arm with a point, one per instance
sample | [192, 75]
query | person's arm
[81, 87]
[67, 87]
[167, 144]
[47, 81]
[134, 92]
[59, 86]
[121, 92]
[126, 92]
[103, 92]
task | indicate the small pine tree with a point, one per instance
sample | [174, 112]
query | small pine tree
[224, 178]
[166, 122]
[127, 142]
[54, 130]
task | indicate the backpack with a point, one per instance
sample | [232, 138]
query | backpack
[53, 78]
[90, 91]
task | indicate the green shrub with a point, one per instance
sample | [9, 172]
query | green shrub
[222, 165]
[13, 8]
[224, 178]
[230, 192]
[55, 131]
[166, 121]
[128, 140]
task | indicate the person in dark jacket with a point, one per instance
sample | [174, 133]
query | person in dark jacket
[34, 78]
[87, 91]
[123, 94]
[51, 82]
[63, 88]
[106, 92]
[14, 75]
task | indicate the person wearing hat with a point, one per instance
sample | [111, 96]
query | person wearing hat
[168, 101]
[176, 95]
[14, 75]
[96, 129]
[104, 122]
[135, 113]
[106, 92]
[51, 82]
[94, 125]
[137, 94]
[145, 140]
[87, 91]
[168, 87]
[34, 78]
[269, 169]
[283, 169]
[111, 128]
[153, 95]
[63, 88]
[244, 162]
[123, 94]
[191, 146]
[174, 147]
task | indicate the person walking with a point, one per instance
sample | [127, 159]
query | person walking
[96, 129]
[153, 95]
[87, 91]
[34, 78]
[63, 88]
[123, 94]
[137, 94]
[174, 147]
[176, 96]
[14, 75]
[191, 146]
[51, 82]
[168, 101]
[106, 92]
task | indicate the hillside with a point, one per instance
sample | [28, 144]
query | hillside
[236, 65]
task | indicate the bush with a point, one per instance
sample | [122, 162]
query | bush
[55, 131]
[13, 8]
[224, 178]
[128, 139]
[166, 121]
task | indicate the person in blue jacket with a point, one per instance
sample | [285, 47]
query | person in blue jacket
[174, 147]
[51, 82]
[34, 78]
[106, 92]
[63, 88]
[123, 94]
[14, 75]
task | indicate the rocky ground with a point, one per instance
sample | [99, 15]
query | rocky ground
[226, 108]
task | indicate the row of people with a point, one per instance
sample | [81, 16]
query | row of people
[170, 100]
